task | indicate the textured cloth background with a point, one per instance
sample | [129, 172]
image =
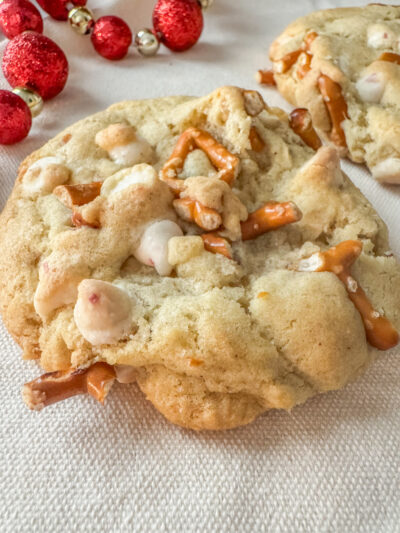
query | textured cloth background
[331, 465]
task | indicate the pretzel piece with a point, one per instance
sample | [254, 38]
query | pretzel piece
[56, 386]
[224, 161]
[336, 106]
[217, 245]
[287, 61]
[379, 331]
[271, 216]
[301, 123]
[81, 194]
[253, 102]
[266, 77]
[256, 142]
[391, 57]
[194, 211]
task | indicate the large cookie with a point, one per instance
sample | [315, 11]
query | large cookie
[344, 66]
[112, 264]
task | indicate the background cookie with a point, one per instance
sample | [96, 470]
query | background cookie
[220, 340]
[344, 66]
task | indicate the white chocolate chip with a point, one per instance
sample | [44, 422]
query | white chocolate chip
[153, 247]
[371, 87]
[311, 264]
[44, 175]
[124, 145]
[388, 170]
[130, 154]
[103, 312]
[380, 36]
[142, 174]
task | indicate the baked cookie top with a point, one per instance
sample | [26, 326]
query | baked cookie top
[139, 242]
[343, 65]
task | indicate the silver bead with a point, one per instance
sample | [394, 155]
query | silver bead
[81, 19]
[205, 4]
[146, 42]
[32, 99]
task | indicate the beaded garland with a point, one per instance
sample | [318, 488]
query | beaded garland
[37, 68]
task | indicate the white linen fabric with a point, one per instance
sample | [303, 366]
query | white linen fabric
[332, 465]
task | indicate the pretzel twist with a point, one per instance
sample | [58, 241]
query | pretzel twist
[217, 245]
[336, 106]
[271, 216]
[379, 331]
[391, 57]
[224, 161]
[266, 77]
[301, 123]
[194, 211]
[56, 386]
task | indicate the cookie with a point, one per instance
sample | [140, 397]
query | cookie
[199, 247]
[343, 65]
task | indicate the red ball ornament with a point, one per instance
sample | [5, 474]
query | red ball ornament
[178, 23]
[58, 8]
[15, 118]
[34, 61]
[17, 16]
[111, 37]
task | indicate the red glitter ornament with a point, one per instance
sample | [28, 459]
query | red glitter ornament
[34, 61]
[17, 16]
[178, 23]
[15, 118]
[111, 37]
[58, 8]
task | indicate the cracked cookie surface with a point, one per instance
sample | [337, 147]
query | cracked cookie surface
[126, 280]
[343, 65]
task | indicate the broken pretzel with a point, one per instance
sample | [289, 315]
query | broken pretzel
[77, 195]
[305, 62]
[336, 106]
[271, 216]
[224, 161]
[266, 77]
[56, 386]
[194, 211]
[379, 331]
[256, 142]
[301, 123]
[217, 245]
[391, 57]
[287, 61]
[73, 196]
